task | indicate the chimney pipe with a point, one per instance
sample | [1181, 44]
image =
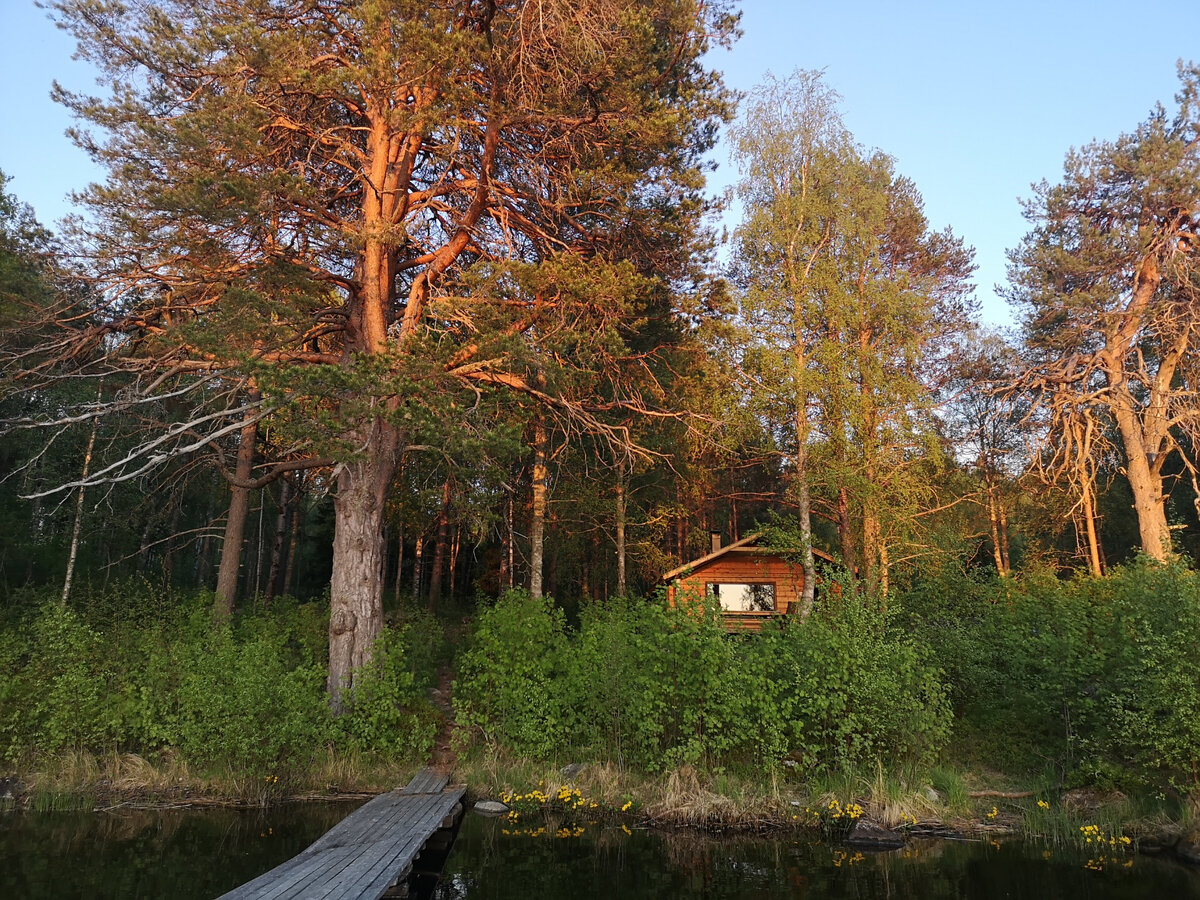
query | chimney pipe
[716, 540]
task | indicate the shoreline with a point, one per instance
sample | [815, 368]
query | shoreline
[683, 800]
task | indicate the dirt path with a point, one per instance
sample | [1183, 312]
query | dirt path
[444, 756]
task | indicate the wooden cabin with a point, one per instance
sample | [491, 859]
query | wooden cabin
[751, 583]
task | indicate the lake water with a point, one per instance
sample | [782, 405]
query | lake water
[182, 854]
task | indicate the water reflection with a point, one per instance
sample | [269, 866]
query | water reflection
[492, 860]
[185, 854]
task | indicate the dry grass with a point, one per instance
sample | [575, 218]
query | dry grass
[682, 798]
[77, 779]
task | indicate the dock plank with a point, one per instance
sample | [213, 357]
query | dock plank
[364, 854]
[383, 846]
[427, 781]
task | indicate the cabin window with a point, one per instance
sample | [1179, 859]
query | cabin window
[744, 597]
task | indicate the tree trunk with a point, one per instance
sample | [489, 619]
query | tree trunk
[281, 523]
[235, 522]
[1145, 481]
[294, 541]
[77, 528]
[455, 539]
[871, 533]
[168, 565]
[621, 533]
[439, 548]
[846, 532]
[1004, 548]
[356, 588]
[418, 567]
[884, 575]
[399, 559]
[258, 537]
[512, 544]
[537, 519]
[1088, 511]
[999, 550]
[599, 592]
[803, 501]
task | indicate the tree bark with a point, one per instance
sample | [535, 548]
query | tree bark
[399, 559]
[439, 548]
[455, 545]
[846, 532]
[294, 540]
[235, 521]
[281, 523]
[999, 532]
[77, 528]
[803, 500]
[418, 567]
[168, 564]
[1088, 511]
[537, 519]
[620, 527]
[356, 588]
[1145, 481]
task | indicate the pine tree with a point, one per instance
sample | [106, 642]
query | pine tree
[347, 200]
[1106, 283]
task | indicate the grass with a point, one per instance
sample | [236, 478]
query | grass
[83, 780]
[688, 796]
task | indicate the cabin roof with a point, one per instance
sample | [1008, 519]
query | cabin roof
[745, 545]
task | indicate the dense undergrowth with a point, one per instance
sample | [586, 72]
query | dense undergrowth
[1058, 683]
[127, 671]
[1042, 682]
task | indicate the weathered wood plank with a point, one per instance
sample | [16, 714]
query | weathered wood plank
[373, 875]
[427, 781]
[380, 859]
[363, 855]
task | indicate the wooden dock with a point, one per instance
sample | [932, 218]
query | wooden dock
[369, 851]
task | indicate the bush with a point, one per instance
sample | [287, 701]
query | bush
[246, 704]
[844, 687]
[249, 696]
[1153, 701]
[655, 686]
[1097, 676]
[60, 691]
[510, 685]
[389, 711]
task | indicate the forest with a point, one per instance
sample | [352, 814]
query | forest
[400, 339]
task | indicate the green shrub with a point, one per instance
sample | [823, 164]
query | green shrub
[388, 711]
[510, 685]
[843, 687]
[67, 685]
[655, 686]
[1153, 700]
[247, 705]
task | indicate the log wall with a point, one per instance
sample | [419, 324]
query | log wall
[738, 566]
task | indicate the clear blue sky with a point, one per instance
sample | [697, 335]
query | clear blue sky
[975, 100]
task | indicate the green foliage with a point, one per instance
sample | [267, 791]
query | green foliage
[845, 686]
[654, 686]
[388, 709]
[155, 673]
[68, 685]
[1095, 676]
[245, 704]
[1153, 702]
[507, 678]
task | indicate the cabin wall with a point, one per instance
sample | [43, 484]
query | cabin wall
[746, 568]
